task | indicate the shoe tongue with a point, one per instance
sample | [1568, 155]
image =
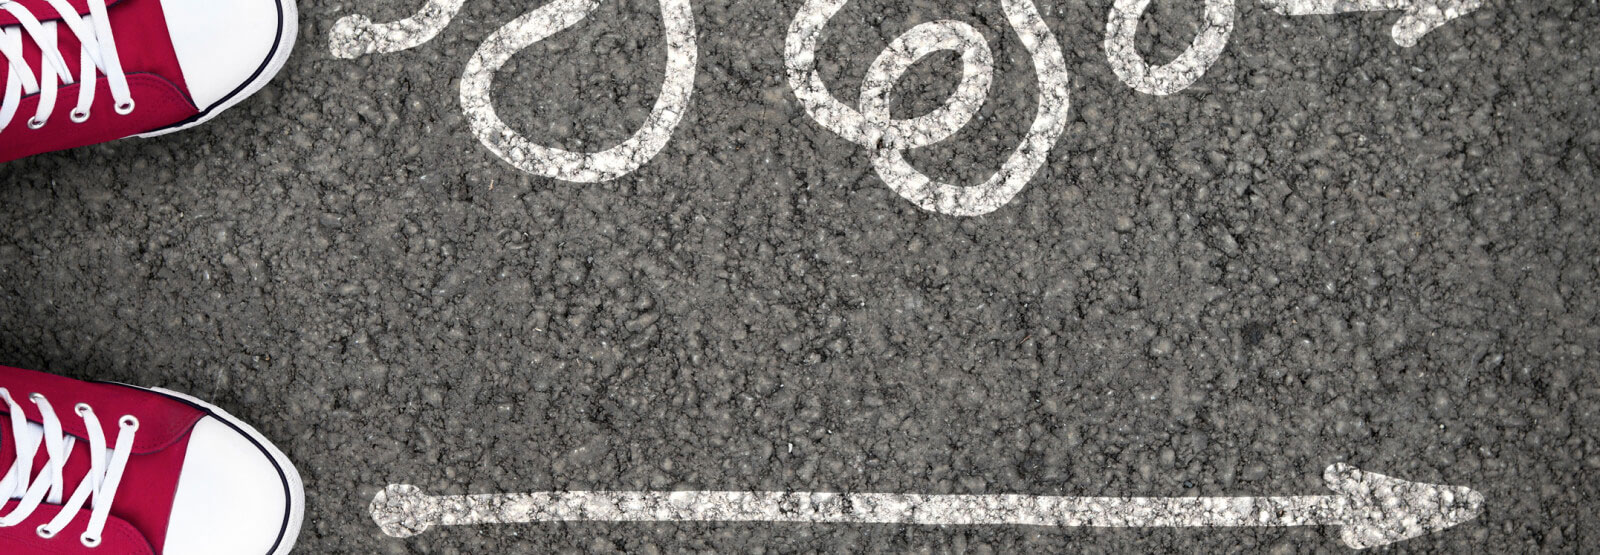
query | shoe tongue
[44, 11]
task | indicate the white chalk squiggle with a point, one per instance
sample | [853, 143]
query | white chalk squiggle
[566, 165]
[1182, 71]
[356, 35]
[1417, 17]
[563, 164]
[889, 138]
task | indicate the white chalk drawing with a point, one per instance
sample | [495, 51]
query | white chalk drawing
[1417, 17]
[1181, 72]
[1371, 509]
[355, 35]
[566, 165]
[869, 124]
[872, 126]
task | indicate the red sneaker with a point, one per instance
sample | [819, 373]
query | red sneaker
[115, 469]
[81, 72]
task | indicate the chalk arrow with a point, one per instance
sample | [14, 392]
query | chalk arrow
[1417, 17]
[1371, 509]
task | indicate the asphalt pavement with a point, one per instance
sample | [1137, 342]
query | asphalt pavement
[1328, 248]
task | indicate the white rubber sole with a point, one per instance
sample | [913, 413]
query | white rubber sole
[296, 487]
[288, 32]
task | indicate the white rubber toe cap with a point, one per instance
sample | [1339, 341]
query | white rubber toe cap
[232, 498]
[224, 45]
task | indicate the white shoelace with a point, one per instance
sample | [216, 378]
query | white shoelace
[99, 51]
[101, 482]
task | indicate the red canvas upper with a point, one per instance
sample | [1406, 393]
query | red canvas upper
[143, 501]
[158, 87]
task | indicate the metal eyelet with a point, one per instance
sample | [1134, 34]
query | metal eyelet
[35, 397]
[125, 108]
[45, 531]
[79, 116]
[129, 422]
[89, 541]
[36, 124]
[83, 409]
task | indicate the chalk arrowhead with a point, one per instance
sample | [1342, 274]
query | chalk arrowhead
[1422, 16]
[403, 511]
[1381, 510]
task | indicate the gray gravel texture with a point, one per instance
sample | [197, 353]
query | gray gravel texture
[1329, 249]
